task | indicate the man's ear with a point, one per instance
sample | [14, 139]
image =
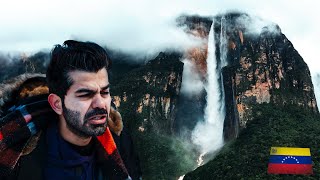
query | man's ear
[55, 103]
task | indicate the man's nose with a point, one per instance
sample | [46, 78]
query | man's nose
[99, 102]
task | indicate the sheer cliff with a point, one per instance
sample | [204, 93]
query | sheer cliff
[269, 99]
[151, 92]
[263, 67]
[264, 73]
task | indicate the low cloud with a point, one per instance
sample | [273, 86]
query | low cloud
[142, 26]
[192, 84]
[145, 27]
[256, 25]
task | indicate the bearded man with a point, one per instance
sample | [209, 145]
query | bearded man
[75, 142]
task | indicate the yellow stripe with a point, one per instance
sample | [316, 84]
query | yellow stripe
[290, 151]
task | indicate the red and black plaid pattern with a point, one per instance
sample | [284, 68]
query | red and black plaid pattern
[18, 127]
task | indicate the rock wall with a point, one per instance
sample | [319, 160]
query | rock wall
[263, 67]
[148, 95]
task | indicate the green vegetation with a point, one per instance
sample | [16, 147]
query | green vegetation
[164, 157]
[273, 126]
[161, 154]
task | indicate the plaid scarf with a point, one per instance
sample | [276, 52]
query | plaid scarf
[21, 126]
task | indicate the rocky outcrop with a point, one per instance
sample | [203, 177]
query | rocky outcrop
[191, 105]
[263, 67]
[199, 27]
[148, 95]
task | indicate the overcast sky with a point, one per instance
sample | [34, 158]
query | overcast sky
[144, 26]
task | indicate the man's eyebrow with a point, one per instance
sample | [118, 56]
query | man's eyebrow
[106, 87]
[84, 90]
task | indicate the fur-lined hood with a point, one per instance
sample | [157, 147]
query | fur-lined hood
[28, 85]
[11, 90]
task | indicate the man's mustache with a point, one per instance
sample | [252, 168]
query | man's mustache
[94, 112]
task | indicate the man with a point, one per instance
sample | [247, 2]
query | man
[75, 143]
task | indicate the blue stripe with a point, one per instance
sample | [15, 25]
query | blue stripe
[290, 159]
[32, 127]
[23, 110]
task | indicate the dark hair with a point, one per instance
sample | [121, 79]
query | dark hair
[72, 56]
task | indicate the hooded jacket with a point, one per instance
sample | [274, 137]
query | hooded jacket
[31, 148]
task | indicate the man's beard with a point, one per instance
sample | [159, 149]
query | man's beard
[73, 121]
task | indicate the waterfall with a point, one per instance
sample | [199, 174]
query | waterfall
[223, 42]
[208, 135]
[223, 62]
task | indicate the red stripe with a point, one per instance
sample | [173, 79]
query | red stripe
[1, 136]
[107, 141]
[27, 117]
[289, 168]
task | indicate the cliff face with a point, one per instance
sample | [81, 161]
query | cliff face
[263, 68]
[198, 27]
[147, 97]
[191, 105]
[269, 99]
[148, 94]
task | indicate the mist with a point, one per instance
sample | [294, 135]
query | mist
[143, 27]
[192, 84]
[208, 134]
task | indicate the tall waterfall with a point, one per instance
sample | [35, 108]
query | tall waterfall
[208, 135]
[223, 62]
[223, 42]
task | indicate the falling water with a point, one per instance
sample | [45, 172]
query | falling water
[208, 135]
[223, 59]
[223, 62]
[223, 43]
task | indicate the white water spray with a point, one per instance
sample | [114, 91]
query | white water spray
[223, 61]
[208, 135]
[223, 43]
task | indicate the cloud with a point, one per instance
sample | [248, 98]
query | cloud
[139, 26]
[144, 26]
[192, 84]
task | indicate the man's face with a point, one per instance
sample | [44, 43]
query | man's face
[86, 105]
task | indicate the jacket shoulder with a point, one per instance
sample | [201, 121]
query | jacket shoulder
[31, 166]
